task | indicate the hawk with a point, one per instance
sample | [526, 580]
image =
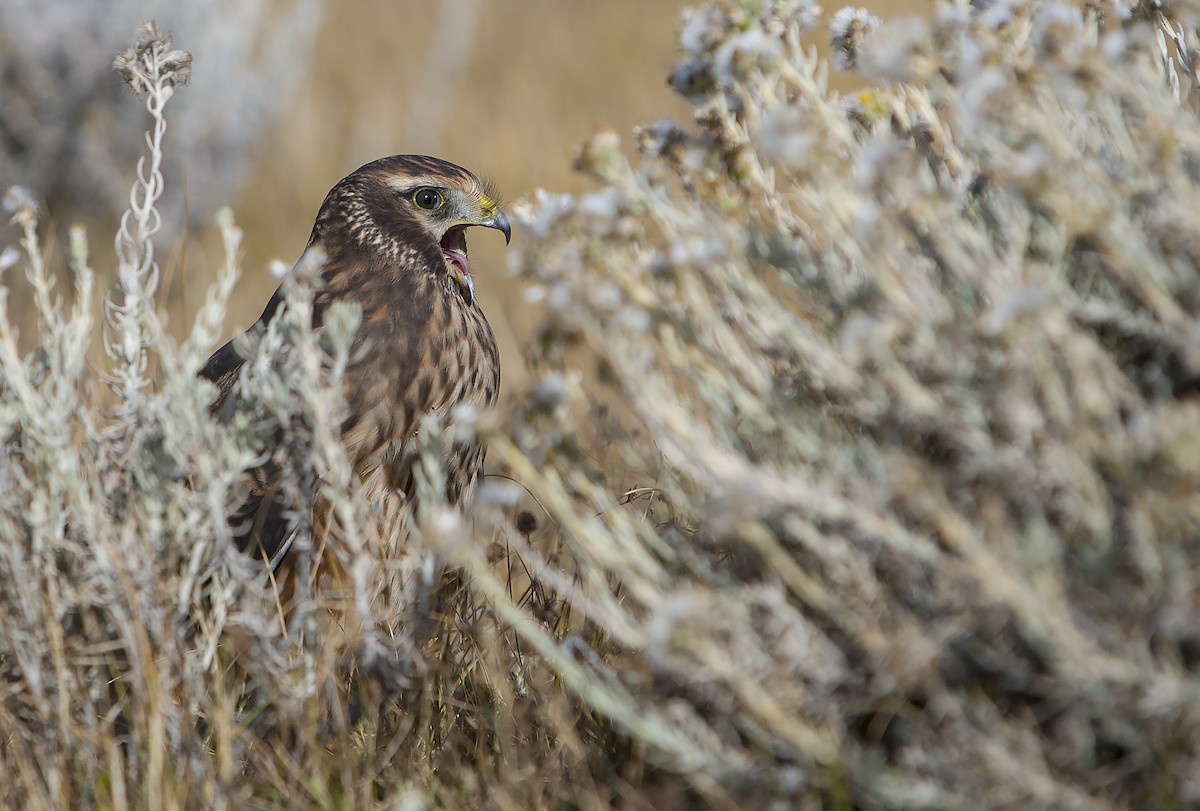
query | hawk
[393, 233]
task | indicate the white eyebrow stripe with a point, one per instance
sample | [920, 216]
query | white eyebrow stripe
[406, 183]
[412, 182]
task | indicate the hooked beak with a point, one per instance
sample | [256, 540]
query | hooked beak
[500, 223]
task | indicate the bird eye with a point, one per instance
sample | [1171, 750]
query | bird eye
[428, 199]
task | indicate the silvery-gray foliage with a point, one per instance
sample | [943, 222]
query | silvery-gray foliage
[69, 131]
[859, 469]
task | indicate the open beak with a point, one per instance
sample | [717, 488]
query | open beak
[500, 223]
[454, 250]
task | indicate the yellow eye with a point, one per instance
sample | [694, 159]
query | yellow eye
[428, 199]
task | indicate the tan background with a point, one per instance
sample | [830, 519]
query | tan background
[507, 88]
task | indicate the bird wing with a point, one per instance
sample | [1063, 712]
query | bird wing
[260, 523]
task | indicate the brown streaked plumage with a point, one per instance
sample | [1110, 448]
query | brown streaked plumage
[392, 233]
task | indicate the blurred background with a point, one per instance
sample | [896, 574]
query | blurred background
[288, 96]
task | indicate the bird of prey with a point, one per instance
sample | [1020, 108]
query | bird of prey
[393, 237]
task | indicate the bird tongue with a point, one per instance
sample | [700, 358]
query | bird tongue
[454, 248]
[457, 260]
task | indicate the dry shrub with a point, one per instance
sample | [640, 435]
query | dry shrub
[860, 467]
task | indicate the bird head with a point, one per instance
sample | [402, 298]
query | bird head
[389, 204]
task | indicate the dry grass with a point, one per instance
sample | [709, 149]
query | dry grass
[880, 493]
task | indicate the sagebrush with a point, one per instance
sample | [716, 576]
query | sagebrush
[859, 469]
